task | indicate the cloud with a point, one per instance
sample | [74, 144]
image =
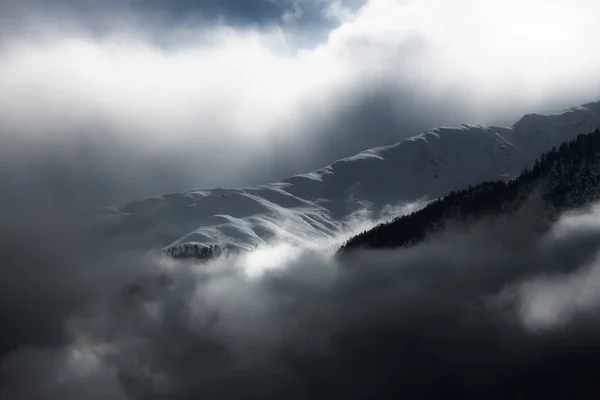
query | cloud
[158, 11]
[33, 17]
[441, 317]
[227, 104]
[555, 299]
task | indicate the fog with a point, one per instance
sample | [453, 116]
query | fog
[209, 101]
[477, 311]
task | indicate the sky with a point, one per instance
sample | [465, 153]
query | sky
[171, 95]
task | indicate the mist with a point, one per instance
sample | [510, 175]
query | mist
[475, 311]
[212, 102]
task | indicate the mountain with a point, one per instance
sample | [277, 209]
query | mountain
[325, 206]
[566, 177]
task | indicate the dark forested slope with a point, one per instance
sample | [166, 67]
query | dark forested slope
[565, 177]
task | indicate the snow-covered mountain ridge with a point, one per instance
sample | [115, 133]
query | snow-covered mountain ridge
[561, 180]
[349, 195]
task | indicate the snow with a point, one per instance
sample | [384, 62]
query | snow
[350, 195]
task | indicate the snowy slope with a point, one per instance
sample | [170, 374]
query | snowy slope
[329, 204]
[564, 179]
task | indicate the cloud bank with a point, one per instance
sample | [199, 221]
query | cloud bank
[223, 103]
[475, 312]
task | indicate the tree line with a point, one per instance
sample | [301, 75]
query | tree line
[567, 177]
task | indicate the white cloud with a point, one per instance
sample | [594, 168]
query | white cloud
[227, 85]
[550, 300]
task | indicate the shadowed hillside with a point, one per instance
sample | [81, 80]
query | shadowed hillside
[565, 177]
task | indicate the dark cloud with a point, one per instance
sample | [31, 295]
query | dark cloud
[33, 16]
[439, 319]
[251, 11]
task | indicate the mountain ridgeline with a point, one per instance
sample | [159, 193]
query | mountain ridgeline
[320, 205]
[566, 177]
